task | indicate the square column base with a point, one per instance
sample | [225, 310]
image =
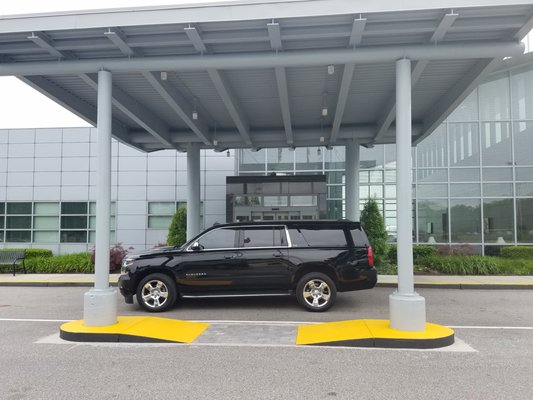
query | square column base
[100, 307]
[407, 312]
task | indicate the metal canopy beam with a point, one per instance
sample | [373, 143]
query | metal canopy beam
[274, 33]
[178, 104]
[134, 110]
[389, 115]
[194, 36]
[357, 31]
[232, 105]
[346, 83]
[41, 40]
[281, 80]
[119, 40]
[228, 98]
[308, 58]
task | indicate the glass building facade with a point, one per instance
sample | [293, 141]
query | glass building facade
[472, 177]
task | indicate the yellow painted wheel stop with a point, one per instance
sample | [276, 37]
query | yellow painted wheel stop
[373, 333]
[135, 329]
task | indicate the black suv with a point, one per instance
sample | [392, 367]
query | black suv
[312, 259]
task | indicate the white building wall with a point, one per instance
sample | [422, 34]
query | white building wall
[59, 165]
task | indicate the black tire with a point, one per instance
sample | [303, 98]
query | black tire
[156, 293]
[316, 292]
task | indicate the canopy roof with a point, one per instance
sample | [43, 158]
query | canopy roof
[264, 74]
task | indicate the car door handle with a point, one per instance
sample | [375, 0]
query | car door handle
[279, 254]
[229, 257]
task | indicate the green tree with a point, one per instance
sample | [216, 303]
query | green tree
[177, 232]
[374, 226]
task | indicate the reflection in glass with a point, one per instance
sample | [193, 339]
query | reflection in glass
[432, 152]
[433, 221]
[523, 143]
[524, 220]
[522, 93]
[334, 158]
[465, 190]
[467, 110]
[496, 143]
[494, 99]
[466, 220]
[18, 236]
[464, 174]
[308, 159]
[498, 220]
[498, 190]
[280, 160]
[463, 141]
[433, 190]
[372, 158]
[23, 222]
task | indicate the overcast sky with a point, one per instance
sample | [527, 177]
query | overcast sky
[23, 107]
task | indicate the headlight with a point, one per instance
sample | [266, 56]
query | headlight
[126, 262]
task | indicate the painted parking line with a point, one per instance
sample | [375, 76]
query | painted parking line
[288, 323]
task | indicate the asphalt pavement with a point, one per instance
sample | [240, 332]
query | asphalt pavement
[493, 361]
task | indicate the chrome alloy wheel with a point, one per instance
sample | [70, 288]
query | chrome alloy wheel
[155, 293]
[316, 293]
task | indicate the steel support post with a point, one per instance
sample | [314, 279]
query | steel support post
[407, 308]
[193, 190]
[352, 181]
[100, 303]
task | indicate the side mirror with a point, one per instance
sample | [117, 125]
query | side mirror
[196, 246]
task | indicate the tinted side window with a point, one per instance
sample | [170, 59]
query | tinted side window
[221, 238]
[318, 237]
[359, 238]
[267, 236]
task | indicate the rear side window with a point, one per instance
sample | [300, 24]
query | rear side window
[304, 237]
[359, 238]
[263, 237]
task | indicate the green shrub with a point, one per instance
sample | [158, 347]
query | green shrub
[31, 253]
[372, 223]
[177, 232]
[419, 252]
[463, 265]
[515, 266]
[62, 264]
[514, 252]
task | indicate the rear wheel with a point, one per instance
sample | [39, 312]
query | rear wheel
[316, 292]
[156, 293]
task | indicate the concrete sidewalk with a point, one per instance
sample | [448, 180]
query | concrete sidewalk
[421, 281]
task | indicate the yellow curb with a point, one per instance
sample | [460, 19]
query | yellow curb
[373, 333]
[135, 329]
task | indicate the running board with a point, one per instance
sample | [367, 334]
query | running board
[204, 296]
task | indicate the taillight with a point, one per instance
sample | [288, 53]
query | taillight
[370, 256]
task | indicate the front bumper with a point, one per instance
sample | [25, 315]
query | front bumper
[125, 285]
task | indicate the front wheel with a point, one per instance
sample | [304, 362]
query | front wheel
[316, 292]
[156, 292]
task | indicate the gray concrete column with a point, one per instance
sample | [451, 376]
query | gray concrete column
[193, 190]
[352, 181]
[100, 303]
[407, 308]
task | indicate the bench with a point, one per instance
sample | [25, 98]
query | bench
[13, 257]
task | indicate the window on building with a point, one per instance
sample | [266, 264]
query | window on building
[160, 213]
[50, 222]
